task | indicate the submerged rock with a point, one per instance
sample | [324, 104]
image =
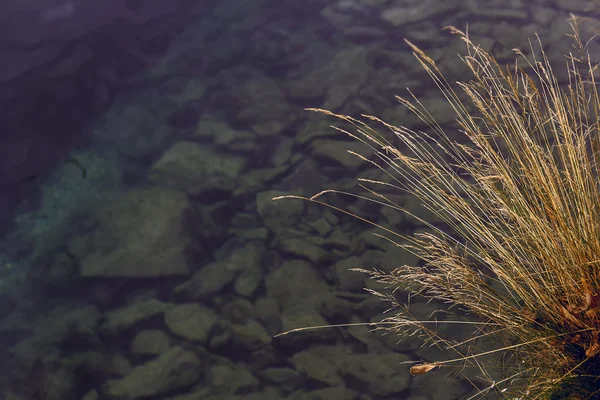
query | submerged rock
[140, 235]
[176, 368]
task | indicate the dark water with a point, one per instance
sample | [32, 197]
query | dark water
[141, 143]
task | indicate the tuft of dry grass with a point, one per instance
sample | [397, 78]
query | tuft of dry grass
[520, 194]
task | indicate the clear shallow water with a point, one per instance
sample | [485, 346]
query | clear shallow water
[142, 255]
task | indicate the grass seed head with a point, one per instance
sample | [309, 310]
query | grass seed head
[517, 192]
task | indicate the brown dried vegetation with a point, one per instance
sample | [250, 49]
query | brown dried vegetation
[520, 192]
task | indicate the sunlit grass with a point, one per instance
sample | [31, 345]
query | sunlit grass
[520, 194]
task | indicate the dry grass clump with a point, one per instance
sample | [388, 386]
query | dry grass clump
[521, 196]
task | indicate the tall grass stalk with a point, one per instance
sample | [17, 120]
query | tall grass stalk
[519, 194]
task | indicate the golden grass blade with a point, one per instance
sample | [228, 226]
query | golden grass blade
[520, 194]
